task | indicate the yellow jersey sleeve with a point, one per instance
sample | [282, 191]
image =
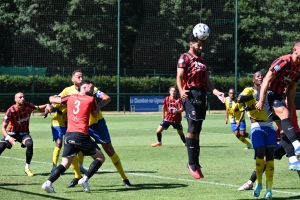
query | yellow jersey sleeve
[250, 106]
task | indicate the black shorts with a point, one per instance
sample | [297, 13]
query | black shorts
[194, 127]
[75, 142]
[271, 100]
[165, 124]
[195, 104]
[18, 136]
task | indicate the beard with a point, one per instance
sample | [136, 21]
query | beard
[197, 53]
[89, 93]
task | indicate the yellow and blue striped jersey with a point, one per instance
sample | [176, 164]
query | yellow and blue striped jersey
[260, 115]
[97, 92]
[234, 109]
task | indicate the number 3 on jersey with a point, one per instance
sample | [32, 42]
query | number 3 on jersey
[77, 104]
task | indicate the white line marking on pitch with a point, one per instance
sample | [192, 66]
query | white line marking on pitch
[163, 177]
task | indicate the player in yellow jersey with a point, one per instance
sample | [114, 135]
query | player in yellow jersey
[263, 136]
[97, 129]
[59, 128]
[236, 114]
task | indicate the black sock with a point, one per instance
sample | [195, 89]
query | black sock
[2, 147]
[288, 129]
[197, 152]
[190, 144]
[57, 172]
[159, 137]
[95, 165]
[253, 176]
[298, 173]
[287, 145]
[182, 137]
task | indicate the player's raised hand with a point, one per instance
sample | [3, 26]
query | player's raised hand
[221, 97]
[259, 105]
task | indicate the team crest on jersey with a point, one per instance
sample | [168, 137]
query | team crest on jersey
[277, 68]
[180, 60]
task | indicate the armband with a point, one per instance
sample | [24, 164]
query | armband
[7, 137]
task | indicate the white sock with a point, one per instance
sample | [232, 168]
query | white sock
[85, 178]
[249, 182]
[296, 144]
[27, 165]
[48, 182]
[293, 159]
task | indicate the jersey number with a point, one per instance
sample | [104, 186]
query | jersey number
[77, 104]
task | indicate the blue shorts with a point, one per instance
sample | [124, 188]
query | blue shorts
[99, 132]
[263, 134]
[58, 132]
[242, 126]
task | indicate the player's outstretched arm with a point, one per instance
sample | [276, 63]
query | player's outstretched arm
[55, 99]
[263, 89]
[46, 108]
[105, 99]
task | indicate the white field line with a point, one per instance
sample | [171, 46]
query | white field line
[163, 177]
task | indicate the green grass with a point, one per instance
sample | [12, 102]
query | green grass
[156, 173]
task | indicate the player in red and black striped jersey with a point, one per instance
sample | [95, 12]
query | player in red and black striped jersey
[284, 72]
[192, 82]
[17, 120]
[171, 115]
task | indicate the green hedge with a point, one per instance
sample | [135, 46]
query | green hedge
[55, 84]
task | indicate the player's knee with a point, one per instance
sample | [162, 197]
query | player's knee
[58, 143]
[260, 152]
[29, 143]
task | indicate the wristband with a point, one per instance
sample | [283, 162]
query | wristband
[7, 137]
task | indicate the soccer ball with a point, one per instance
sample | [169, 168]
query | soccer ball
[201, 31]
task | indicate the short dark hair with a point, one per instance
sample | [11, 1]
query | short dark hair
[75, 71]
[192, 38]
[172, 87]
[86, 82]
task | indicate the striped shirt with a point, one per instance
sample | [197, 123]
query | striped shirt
[196, 70]
[171, 105]
[18, 119]
[286, 73]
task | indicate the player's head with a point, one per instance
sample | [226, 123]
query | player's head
[173, 91]
[20, 98]
[296, 52]
[195, 45]
[258, 78]
[87, 87]
[77, 77]
[231, 93]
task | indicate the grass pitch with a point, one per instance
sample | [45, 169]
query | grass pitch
[156, 173]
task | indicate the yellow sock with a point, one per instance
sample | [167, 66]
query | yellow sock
[75, 167]
[80, 157]
[117, 162]
[269, 174]
[56, 152]
[260, 165]
[243, 140]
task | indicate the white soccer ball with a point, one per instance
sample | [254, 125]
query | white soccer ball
[201, 31]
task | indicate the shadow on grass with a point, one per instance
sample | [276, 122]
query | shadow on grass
[279, 198]
[44, 196]
[135, 187]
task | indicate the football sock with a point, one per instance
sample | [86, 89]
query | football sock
[243, 140]
[253, 176]
[260, 165]
[27, 165]
[75, 167]
[80, 158]
[159, 137]
[29, 150]
[289, 131]
[55, 154]
[57, 172]
[287, 145]
[197, 152]
[2, 146]
[269, 174]
[298, 173]
[182, 137]
[190, 143]
[95, 165]
[117, 162]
